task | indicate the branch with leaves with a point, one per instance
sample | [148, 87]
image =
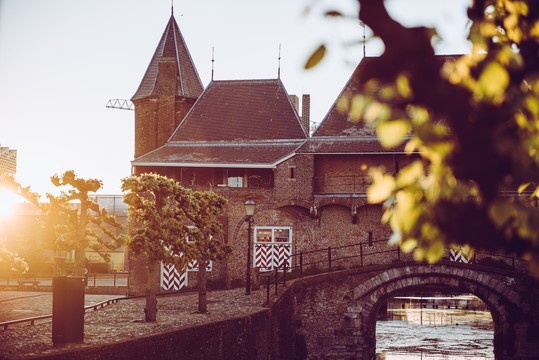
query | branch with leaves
[473, 123]
[78, 221]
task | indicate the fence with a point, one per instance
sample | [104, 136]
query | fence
[30, 280]
[32, 320]
[362, 254]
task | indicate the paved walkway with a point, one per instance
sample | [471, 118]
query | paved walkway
[16, 305]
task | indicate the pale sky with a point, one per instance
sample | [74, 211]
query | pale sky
[61, 60]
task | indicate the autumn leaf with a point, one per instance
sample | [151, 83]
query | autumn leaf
[316, 57]
[392, 133]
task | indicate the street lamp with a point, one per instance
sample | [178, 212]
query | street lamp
[249, 211]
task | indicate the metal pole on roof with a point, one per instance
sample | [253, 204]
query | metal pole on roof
[212, 61]
[279, 64]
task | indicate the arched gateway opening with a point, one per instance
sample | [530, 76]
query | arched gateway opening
[494, 291]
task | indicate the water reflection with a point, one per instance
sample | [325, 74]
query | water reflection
[435, 327]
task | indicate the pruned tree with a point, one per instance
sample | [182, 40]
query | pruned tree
[157, 208]
[205, 235]
[74, 218]
[474, 124]
[7, 257]
[11, 260]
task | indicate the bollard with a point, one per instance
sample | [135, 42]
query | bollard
[67, 309]
[255, 278]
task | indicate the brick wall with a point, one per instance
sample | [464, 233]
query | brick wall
[342, 220]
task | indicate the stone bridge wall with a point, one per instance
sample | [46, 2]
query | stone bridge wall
[333, 316]
[336, 312]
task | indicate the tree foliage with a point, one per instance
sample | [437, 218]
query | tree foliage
[205, 236]
[173, 225]
[77, 220]
[8, 257]
[474, 123]
[73, 218]
[13, 261]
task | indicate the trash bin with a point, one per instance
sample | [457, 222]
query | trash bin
[67, 309]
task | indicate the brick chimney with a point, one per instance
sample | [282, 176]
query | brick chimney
[306, 113]
[295, 102]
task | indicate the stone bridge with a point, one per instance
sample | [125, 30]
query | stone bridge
[335, 313]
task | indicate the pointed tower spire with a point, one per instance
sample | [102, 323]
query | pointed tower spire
[171, 45]
[168, 90]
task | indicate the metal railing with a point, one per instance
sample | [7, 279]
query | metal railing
[328, 257]
[33, 280]
[32, 320]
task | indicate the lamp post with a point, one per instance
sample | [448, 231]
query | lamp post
[249, 211]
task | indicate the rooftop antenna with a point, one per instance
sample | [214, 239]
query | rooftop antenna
[364, 37]
[212, 61]
[279, 66]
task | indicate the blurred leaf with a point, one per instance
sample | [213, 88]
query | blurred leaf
[316, 57]
[403, 86]
[494, 80]
[395, 238]
[381, 189]
[343, 104]
[435, 252]
[523, 187]
[500, 212]
[408, 245]
[407, 211]
[375, 111]
[410, 174]
[357, 107]
[392, 133]
[535, 30]
[333, 13]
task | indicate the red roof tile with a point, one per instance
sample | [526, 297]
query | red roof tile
[235, 110]
[262, 154]
[337, 123]
[172, 44]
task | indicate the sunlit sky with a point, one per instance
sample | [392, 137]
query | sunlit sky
[61, 60]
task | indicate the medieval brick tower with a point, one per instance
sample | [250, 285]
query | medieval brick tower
[168, 90]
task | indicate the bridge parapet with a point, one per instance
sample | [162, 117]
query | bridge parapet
[336, 312]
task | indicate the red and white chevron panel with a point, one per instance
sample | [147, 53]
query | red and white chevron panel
[460, 255]
[282, 253]
[271, 256]
[171, 279]
[264, 257]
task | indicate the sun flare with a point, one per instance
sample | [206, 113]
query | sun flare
[8, 202]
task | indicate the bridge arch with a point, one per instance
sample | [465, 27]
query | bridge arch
[337, 311]
[495, 292]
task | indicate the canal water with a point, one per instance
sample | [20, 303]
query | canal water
[435, 327]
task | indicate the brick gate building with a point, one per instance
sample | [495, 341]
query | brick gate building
[250, 138]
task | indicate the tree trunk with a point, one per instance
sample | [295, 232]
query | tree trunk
[201, 279]
[80, 246]
[150, 310]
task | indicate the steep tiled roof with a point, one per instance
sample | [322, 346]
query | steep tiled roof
[261, 154]
[235, 110]
[172, 45]
[337, 123]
